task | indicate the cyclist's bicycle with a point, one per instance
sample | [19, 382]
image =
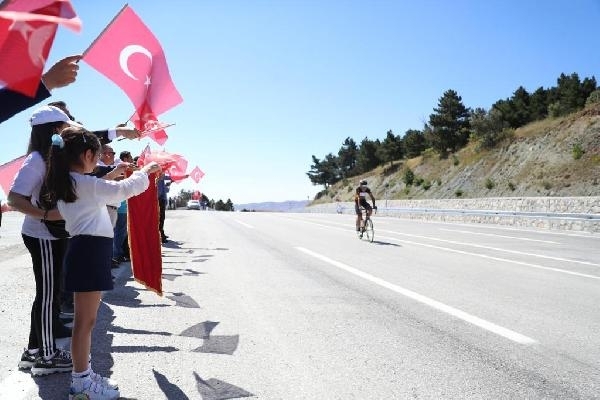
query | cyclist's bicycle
[366, 231]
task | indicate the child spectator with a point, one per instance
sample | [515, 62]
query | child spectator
[81, 200]
[47, 251]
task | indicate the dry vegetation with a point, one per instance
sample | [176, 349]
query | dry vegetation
[539, 160]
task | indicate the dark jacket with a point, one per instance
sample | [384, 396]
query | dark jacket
[12, 103]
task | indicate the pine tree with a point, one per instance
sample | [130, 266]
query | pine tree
[367, 155]
[347, 156]
[391, 148]
[414, 143]
[449, 124]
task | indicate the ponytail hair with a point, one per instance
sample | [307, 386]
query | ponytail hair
[65, 152]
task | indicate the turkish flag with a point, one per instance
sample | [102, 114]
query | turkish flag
[144, 237]
[34, 10]
[168, 161]
[196, 174]
[8, 172]
[129, 54]
[27, 30]
[142, 158]
[145, 121]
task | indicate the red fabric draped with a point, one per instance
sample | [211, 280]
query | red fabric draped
[144, 238]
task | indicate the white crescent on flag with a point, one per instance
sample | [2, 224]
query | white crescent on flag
[196, 174]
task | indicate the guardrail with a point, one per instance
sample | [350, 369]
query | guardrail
[524, 214]
[502, 215]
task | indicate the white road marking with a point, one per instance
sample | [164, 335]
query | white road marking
[587, 235]
[17, 386]
[244, 224]
[479, 246]
[502, 236]
[489, 326]
[526, 264]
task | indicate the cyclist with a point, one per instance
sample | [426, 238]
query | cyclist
[360, 199]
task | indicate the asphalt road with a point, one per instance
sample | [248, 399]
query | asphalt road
[295, 306]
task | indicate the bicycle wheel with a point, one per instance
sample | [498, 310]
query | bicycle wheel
[369, 233]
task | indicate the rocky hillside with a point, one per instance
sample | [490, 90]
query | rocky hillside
[540, 160]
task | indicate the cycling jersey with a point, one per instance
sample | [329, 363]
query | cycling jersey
[360, 199]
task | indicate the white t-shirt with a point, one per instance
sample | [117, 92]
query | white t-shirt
[88, 214]
[114, 165]
[28, 183]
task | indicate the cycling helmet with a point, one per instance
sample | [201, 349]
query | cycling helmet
[363, 182]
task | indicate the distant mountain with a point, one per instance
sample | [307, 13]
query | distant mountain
[282, 206]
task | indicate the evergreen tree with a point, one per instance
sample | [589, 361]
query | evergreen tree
[347, 156]
[521, 101]
[414, 143]
[229, 205]
[315, 174]
[449, 124]
[569, 94]
[538, 105]
[488, 127]
[588, 86]
[367, 155]
[391, 148]
[324, 172]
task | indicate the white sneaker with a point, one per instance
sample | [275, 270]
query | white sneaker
[87, 389]
[106, 382]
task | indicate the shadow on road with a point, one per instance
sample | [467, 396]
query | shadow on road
[385, 243]
[56, 386]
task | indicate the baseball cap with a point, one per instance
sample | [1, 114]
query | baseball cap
[47, 114]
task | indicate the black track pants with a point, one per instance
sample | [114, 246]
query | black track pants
[47, 259]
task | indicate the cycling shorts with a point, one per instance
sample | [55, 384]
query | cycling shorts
[362, 203]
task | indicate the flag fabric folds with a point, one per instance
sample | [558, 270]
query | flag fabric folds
[144, 238]
[196, 174]
[27, 30]
[36, 10]
[8, 171]
[129, 54]
[146, 122]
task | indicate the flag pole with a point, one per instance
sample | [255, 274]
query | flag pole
[125, 123]
[104, 30]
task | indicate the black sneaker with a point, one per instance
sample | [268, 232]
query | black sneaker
[60, 362]
[27, 359]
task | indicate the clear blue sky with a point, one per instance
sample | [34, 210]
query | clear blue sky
[267, 84]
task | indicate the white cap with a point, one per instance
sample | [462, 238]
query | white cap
[46, 114]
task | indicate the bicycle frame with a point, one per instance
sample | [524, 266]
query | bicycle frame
[367, 225]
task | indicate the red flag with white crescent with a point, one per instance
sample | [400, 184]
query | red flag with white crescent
[27, 30]
[196, 174]
[129, 54]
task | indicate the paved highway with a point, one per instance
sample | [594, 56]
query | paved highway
[294, 306]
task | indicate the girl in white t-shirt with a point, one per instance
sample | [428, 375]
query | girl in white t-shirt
[82, 200]
[42, 356]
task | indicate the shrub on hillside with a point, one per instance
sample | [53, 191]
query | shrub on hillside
[577, 151]
[593, 98]
[409, 177]
[489, 184]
